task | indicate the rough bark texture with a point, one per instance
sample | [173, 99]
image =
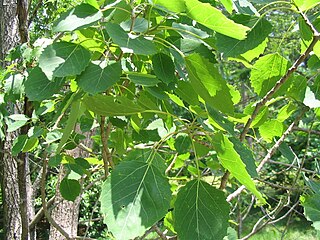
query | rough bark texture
[15, 180]
[9, 37]
[66, 213]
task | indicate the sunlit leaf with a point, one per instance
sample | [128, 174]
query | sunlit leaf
[304, 5]
[62, 59]
[214, 19]
[71, 122]
[267, 71]
[208, 83]
[174, 6]
[260, 29]
[231, 160]
[270, 129]
[246, 156]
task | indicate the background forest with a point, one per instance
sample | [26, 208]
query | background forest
[155, 119]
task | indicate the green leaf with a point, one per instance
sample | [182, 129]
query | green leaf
[311, 206]
[185, 91]
[218, 119]
[19, 117]
[286, 111]
[31, 144]
[304, 5]
[95, 79]
[111, 106]
[174, 6]
[189, 32]
[297, 88]
[314, 185]
[55, 161]
[267, 71]
[232, 234]
[176, 99]
[228, 5]
[81, 16]
[307, 35]
[62, 59]
[35, 131]
[182, 143]
[38, 87]
[133, 198]
[70, 189]
[287, 152]
[260, 29]
[19, 120]
[139, 25]
[214, 19]
[143, 79]
[208, 83]
[231, 160]
[200, 212]
[270, 129]
[137, 45]
[245, 7]
[246, 156]
[163, 67]
[13, 87]
[315, 88]
[18, 144]
[75, 112]
[53, 136]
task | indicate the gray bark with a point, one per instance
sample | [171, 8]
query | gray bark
[9, 37]
[66, 213]
[15, 226]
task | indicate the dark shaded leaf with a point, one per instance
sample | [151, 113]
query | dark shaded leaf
[133, 198]
[200, 212]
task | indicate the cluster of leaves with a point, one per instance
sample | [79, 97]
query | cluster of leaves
[153, 70]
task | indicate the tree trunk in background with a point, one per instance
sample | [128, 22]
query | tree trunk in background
[66, 213]
[9, 37]
[12, 32]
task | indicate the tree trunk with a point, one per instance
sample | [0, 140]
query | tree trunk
[66, 213]
[9, 37]
[14, 177]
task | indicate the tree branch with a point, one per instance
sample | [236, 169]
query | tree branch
[270, 153]
[44, 201]
[276, 87]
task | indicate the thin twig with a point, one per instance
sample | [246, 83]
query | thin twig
[172, 163]
[159, 232]
[106, 156]
[270, 153]
[40, 214]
